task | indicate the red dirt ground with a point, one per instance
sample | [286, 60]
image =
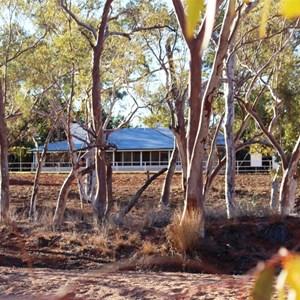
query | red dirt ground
[35, 260]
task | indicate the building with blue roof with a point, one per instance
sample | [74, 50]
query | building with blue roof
[137, 149]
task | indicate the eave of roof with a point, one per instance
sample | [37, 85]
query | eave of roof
[130, 139]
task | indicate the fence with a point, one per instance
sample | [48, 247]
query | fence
[60, 167]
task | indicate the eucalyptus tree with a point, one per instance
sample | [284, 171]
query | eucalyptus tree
[118, 67]
[201, 96]
[167, 99]
[277, 57]
[16, 44]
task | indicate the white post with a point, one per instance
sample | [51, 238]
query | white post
[20, 159]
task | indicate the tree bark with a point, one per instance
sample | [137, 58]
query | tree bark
[289, 182]
[63, 194]
[101, 191]
[195, 195]
[178, 128]
[100, 170]
[62, 199]
[4, 171]
[274, 201]
[229, 87]
[110, 199]
[36, 183]
[165, 195]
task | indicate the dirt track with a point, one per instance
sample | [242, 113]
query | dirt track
[41, 283]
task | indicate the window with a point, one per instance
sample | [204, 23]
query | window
[127, 158]
[146, 157]
[136, 158]
[164, 157]
[155, 158]
[118, 158]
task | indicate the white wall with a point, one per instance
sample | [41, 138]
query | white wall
[256, 159]
[77, 131]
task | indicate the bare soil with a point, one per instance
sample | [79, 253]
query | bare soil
[135, 259]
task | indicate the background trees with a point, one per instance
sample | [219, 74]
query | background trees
[97, 62]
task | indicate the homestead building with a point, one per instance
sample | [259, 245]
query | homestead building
[137, 149]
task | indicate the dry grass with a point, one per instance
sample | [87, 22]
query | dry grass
[184, 235]
[100, 242]
[148, 248]
[45, 218]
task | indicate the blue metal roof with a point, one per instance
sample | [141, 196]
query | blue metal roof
[142, 139]
[61, 146]
[131, 139]
[220, 140]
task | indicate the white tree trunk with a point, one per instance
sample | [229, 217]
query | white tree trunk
[274, 201]
[229, 133]
[289, 182]
[64, 191]
[195, 193]
[36, 183]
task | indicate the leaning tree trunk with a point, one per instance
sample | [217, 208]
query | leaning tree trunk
[64, 191]
[36, 183]
[4, 171]
[165, 195]
[138, 194]
[62, 199]
[289, 182]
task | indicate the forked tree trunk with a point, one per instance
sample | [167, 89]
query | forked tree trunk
[36, 183]
[195, 195]
[4, 171]
[100, 35]
[62, 199]
[63, 194]
[289, 182]
[165, 195]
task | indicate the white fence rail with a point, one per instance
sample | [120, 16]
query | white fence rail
[133, 166]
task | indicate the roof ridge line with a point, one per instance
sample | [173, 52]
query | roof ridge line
[162, 133]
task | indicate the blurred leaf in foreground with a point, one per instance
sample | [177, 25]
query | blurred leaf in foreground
[290, 8]
[263, 287]
[194, 9]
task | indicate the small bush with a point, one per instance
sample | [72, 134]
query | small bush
[184, 234]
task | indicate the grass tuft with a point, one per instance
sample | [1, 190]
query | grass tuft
[185, 236]
[148, 248]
